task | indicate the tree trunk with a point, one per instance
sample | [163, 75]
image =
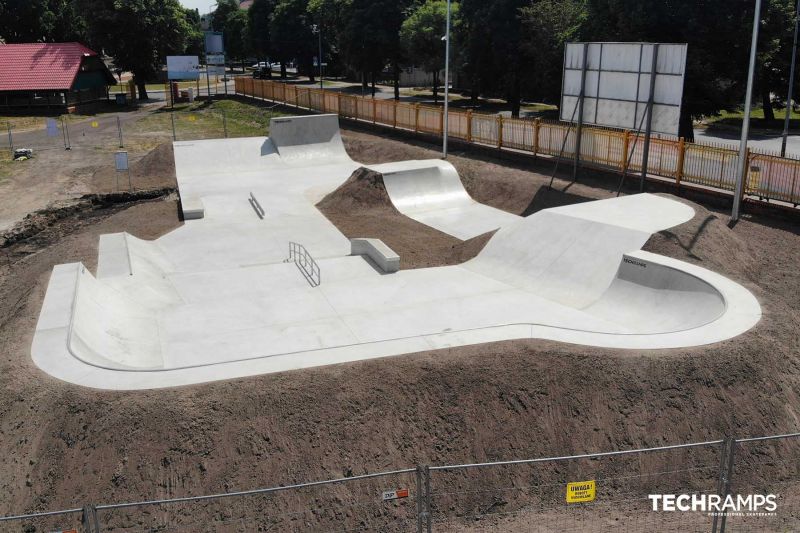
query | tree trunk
[685, 126]
[141, 87]
[766, 103]
[396, 80]
[364, 83]
[283, 70]
[435, 87]
[515, 96]
[373, 85]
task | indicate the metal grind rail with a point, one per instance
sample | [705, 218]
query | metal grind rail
[305, 263]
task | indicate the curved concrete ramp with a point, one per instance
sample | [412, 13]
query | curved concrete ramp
[431, 192]
[308, 140]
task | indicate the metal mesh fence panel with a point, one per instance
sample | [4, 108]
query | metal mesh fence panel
[532, 496]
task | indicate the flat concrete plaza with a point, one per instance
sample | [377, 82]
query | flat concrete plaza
[217, 299]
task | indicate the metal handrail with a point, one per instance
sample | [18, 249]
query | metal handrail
[305, 263]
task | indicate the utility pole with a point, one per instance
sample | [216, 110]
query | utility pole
[741, 167]
[319, 57]
[446, 82]
[791, 82]
[649, 130]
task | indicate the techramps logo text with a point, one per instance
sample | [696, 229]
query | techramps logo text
[716, 505]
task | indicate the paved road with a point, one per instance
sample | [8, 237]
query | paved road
[771, 143]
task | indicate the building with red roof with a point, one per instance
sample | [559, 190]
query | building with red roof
[57, 76]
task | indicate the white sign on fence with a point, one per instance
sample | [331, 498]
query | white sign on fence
[617, 84]
[183, 67]
[121, 160]
[52, 127]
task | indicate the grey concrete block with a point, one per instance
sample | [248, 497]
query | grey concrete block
[376, 249]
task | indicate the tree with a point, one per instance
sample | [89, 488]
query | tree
[549, 25]
[493, 57]
[237, 36]
[291, 36]
[220, 15]
[370, 36]
[25, 21]
[259, 16]
[138, 34]
[421, 37]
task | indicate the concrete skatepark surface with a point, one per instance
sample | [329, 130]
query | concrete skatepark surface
[214, 299]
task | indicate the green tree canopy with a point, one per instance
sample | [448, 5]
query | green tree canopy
[139, 34]
[421, 36]
[26, 21]
[259, 15]
[291, 35]
[220, 15]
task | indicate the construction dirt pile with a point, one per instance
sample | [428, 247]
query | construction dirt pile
[155, 170]
[361, 207]
[63, 446]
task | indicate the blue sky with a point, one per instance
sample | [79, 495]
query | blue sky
[203, 5]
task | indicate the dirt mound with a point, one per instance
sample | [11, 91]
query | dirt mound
[41, 224]
[361, 207]
[156, 170]
[706, 240]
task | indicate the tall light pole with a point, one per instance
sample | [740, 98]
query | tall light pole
[317, 28]
[741, 167]
[447, 82]
[791, 82]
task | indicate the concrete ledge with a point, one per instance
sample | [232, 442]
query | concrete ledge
[192, 208]
[376, 249]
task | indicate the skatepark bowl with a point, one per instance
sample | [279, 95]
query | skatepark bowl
[218, 297]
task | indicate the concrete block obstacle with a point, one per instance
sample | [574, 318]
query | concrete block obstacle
[376, 249]
[214, 299]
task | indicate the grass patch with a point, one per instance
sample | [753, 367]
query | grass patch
[203, 120]
[733, 119]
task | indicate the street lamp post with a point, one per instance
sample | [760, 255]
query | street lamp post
[791, 82]
[317, 28]
[446, 82]
[741, 167]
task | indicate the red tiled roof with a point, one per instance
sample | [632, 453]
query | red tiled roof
[40, 66]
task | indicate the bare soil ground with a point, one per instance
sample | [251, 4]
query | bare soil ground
[361, 207]
[62, 446]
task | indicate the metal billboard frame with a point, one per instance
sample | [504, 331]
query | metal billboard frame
[659, 70]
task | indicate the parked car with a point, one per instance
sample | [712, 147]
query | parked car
[262, 73]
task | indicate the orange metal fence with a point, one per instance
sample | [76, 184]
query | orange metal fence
[769, 177]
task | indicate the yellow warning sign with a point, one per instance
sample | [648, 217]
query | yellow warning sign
[580, 491]
[95, 124]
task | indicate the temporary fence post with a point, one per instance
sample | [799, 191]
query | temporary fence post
[11, 139]
[225, 123]
[537, 123]
[65, 127]
[172, 118]
[626, 143]
[119, 128]
[745, 175]
[681, 159]
[428, 514]
[469, 125]
[728, 477]
[89, 519]
[723, 461]
[441, 122]
[374, 110]
[420, 498]
[499, 131]
[416, 118]
[394, 113]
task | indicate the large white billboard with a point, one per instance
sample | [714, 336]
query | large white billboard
[617, 84]
[183, 67]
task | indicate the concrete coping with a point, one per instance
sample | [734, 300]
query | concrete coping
[376, 249]
[193, 208]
